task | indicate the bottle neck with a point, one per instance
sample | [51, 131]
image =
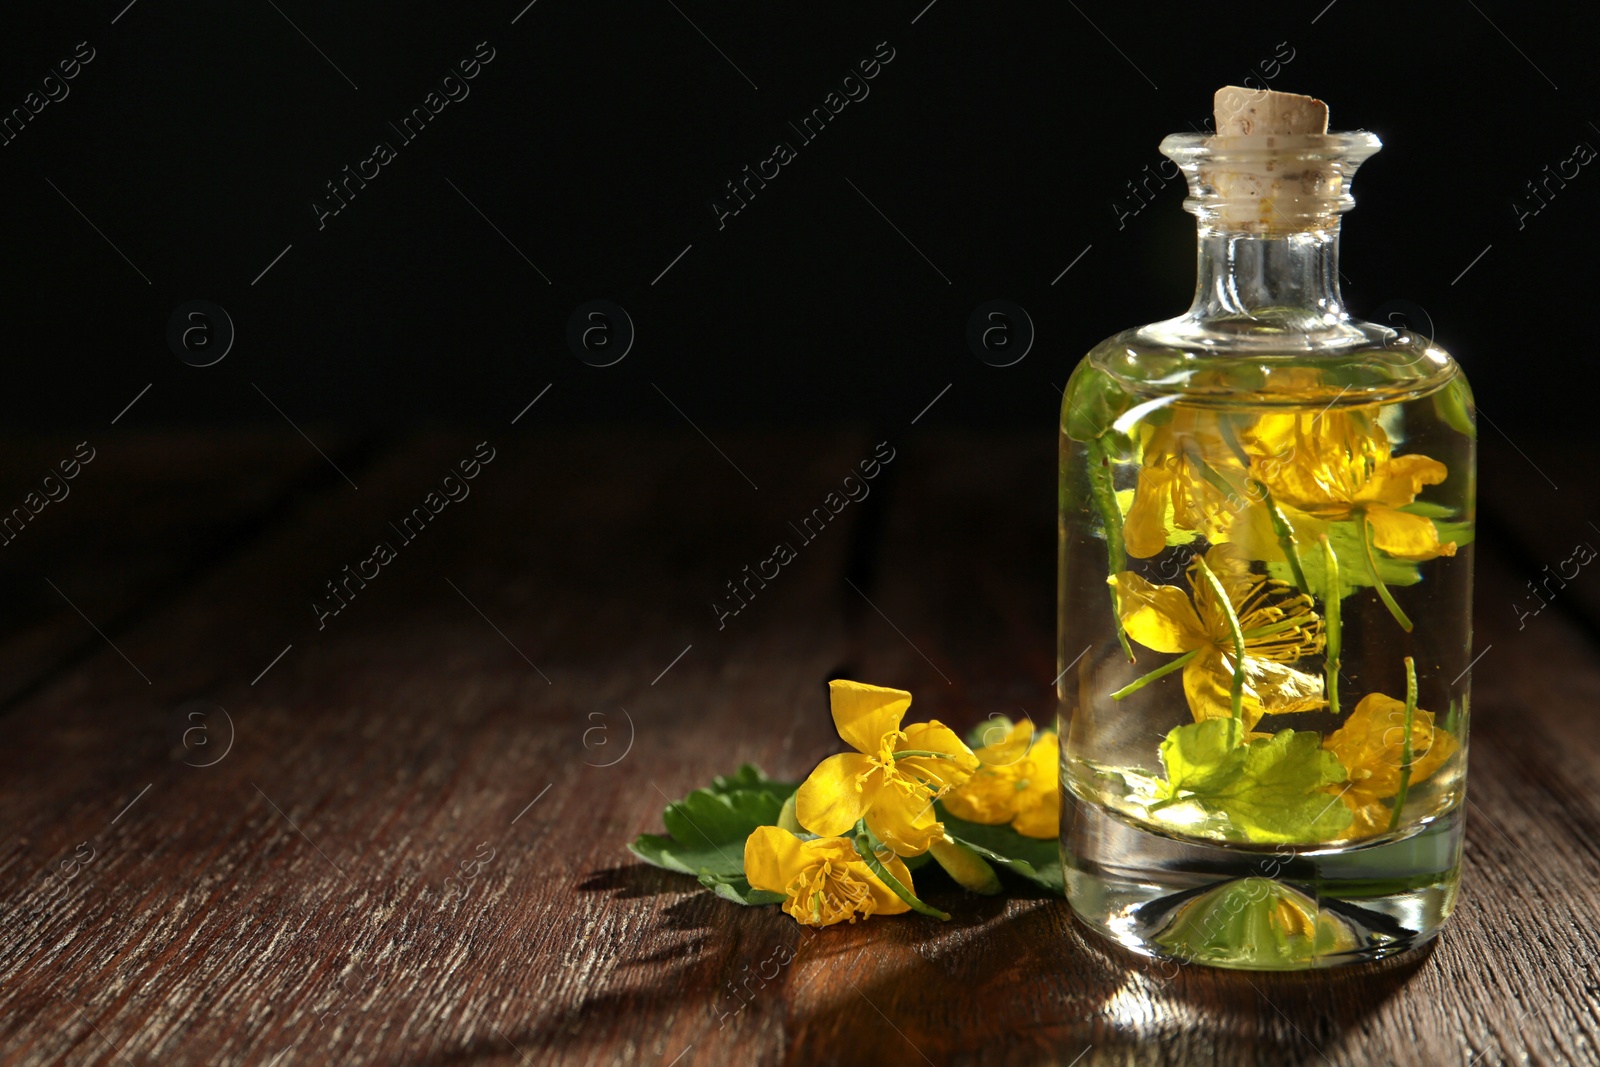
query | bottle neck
[1285, 281]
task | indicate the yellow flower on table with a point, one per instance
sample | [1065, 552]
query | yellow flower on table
[1331, 472]
[824, 881]
[1279, 629]
[1019, 783]
[1371, 745]
[893, 777]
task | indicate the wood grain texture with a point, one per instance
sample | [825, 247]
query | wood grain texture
[413, 851]
[140, 520]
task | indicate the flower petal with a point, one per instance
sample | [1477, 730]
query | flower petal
[1045, 756]
[1207, 683]
[1429, 747]
[1025, 793]
[1270, 688]
[935, 736]
[1363, 744]
[884, 901]
[1397, 481]
[1145, 527]
[1039, 820]
[772, 858]
[1371, 743]
[1406, 536]
[1159, 617]
[905, 822]
[988, 797]
[1253, 536]
[1005, 742]
[1278, 689]
[1317, 463]
[864, 713]
[835, 795]
[824, 881]
[1369, 814]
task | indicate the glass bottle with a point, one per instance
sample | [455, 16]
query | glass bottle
[1264, 595]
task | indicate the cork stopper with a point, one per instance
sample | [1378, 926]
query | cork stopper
[1245, 112]
[1263, 178]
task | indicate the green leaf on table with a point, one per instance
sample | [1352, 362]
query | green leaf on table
[749, 776]
[1268, 790]
[1036, 859]
[738, 890]
[706, 830]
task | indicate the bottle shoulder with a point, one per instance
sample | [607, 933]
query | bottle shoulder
[1359, 363]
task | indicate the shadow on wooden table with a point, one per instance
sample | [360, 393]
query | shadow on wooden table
[1021, 982]
[1011, 980]
[633, 978]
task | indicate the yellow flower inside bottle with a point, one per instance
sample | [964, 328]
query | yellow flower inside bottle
[1338, 469]
[1279, 628]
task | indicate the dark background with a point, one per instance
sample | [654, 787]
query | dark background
[998, 141]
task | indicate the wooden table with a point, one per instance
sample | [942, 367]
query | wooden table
[233, 837]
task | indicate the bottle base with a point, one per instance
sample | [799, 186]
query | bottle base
[1258, 910]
